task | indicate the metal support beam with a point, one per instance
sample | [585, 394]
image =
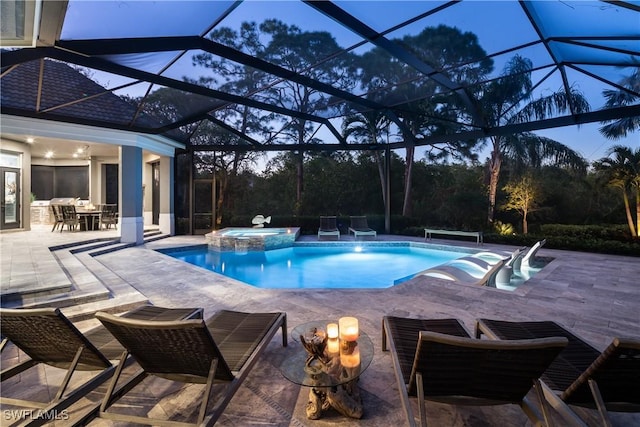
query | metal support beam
[110, 67]
[387, 184]
[350, 22]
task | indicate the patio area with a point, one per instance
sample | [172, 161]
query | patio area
[594, 295]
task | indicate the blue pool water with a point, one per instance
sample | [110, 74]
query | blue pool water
[320, 267]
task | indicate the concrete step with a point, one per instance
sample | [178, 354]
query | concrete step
[94, 246]
[88, 286]
[82, 243]
[65, 299]
[111, 248]
[153, 238]
[118, 304]
[40, 274]
[71, 277]
[19, 297]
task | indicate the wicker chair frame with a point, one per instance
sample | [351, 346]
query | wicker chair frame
[581, 375]
[438, 360]
[223, 348]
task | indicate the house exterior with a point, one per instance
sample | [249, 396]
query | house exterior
[141, 165]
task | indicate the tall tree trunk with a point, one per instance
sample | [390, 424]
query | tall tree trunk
[627, 210]
[638, 210]
[299, 185]
[300, 170]
[378, 158]
[407, 204]
[525, 223]
[494, 175]
[221, 193]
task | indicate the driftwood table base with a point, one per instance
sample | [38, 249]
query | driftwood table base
[330, 367]
[345, 399]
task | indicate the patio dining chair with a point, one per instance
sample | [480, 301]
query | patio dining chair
[49, 338]
[109, 216]
[438, 360]
[69, 217]
[581, 375]
[56, 215]
[328, 227]
[224, 348]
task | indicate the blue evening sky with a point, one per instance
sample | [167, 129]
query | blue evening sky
[499, 25]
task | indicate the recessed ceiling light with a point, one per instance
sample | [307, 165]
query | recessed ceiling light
[79, 150]
[30, 140]
[75, 155]
[48, 154]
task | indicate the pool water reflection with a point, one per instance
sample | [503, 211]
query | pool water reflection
[320, 266]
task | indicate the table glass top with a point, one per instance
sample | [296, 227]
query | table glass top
[339, 363]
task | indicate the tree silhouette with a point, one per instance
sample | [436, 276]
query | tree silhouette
[508, 100]
[629, 94]
[621, 169]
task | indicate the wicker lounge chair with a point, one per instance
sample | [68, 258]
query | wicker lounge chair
[580, 375]
[225, 348]
[453, 273]
[360, 227]
[438, 360]
[328, 227]
[49, 338]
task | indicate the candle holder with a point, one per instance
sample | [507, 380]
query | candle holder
[348, 328]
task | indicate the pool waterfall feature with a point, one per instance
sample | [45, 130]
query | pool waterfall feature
[244, 239]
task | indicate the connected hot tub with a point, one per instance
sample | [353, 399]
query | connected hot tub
[242, 239]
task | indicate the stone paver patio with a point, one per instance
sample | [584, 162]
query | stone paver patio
[597, 296]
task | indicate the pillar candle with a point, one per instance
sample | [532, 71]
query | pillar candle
[349, 328]
[332, 330]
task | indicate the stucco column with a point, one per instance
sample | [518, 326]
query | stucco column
[131, 222]
[166, 220]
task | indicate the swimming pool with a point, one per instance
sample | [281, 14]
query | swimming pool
[330, 266]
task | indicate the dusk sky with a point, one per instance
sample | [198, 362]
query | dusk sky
[499, 25]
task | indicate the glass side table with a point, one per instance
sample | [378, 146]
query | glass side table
[333, 375]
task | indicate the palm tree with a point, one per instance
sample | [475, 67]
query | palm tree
[622, 170]
[369, 127]
[507, 100]
[617, 98]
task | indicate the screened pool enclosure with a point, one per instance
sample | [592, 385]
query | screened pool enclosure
[224, 79]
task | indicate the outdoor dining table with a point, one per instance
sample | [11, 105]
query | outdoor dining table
[89, 219]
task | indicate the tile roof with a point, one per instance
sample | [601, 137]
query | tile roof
[68, 92]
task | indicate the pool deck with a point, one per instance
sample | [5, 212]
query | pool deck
[597, 296]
